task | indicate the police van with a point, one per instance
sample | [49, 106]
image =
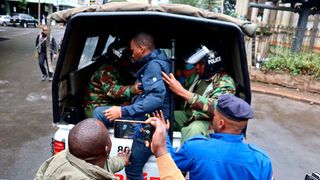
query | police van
[176, 28]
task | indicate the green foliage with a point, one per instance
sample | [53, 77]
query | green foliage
[229, 7]
[295, 63]
[23, 5]
[264, 31]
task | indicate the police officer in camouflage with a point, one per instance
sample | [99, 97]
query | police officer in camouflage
[201, 99]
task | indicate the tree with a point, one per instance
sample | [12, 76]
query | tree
[229, 8]
[6, 7]
[212, 5]
[23, 5]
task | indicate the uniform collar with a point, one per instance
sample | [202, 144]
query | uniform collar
[227, 137]
[153, 54]
[141, 64]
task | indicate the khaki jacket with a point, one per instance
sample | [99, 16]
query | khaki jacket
[66, 166]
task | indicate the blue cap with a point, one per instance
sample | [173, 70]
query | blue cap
[234, 108]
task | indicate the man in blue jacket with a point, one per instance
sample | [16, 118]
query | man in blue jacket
[155, 96]
[224, 155]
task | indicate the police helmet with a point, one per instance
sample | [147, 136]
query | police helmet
[212, 60]
[117, 50]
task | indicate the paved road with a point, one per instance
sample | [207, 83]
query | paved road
[25, 111]
[288, 130]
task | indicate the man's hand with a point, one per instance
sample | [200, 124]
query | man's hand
[158, 144]
[55, 56]
[113, 113]
[136, 88]
[159, 114]
[125, 155]
[175, 86]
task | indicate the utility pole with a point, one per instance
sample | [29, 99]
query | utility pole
[39, 13]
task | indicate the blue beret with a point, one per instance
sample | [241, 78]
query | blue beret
[234, 108]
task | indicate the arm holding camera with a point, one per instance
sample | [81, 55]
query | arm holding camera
[167, 168]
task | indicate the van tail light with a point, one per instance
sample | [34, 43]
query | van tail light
[57, 146]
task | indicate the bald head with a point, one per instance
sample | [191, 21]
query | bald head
[44, 30]
[88, 139]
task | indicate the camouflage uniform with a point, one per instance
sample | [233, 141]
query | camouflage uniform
[104, 89]
[198, 110]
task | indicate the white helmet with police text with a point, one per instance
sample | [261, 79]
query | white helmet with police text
[211, 58]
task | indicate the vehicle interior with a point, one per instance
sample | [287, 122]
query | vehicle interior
[86, 43]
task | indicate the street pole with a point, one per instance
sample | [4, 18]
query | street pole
[39, 9]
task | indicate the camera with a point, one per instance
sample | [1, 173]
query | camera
[312, 176]
[131, 129]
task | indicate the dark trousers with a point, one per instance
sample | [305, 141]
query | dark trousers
[139, 152]
[139, 156]
[43, 62]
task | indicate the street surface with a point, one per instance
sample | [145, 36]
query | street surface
[288, 130]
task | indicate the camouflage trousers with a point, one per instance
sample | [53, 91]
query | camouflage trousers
[89, 113]
[189, 129]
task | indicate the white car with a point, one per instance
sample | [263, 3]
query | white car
[5, 20]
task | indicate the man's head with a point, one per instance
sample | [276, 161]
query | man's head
[208, 62]
[231, 114]
[89, 140]
[141, 45]
[44, 30]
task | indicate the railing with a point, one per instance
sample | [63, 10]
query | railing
[269, 40]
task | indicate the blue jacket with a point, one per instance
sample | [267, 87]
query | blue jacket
[223, 156]
[155, 94]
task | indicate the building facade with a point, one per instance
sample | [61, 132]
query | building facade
[283, 25]
[32, 6]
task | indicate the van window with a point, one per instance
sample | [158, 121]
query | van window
[168, 52]
[109, 41]
[88, 51]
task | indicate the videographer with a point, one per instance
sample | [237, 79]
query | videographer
[167, 168]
